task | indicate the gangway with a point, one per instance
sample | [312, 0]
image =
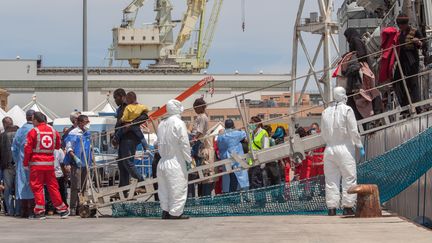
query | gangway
[294, 148]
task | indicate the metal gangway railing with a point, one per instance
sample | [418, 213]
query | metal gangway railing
[295, 147]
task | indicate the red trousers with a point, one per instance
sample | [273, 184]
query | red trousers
[305, 169]
[287, 170]
[317, 170]
[39, 178]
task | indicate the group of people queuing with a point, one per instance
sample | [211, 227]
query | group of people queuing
[36, 163]
[34, 168]
[356, 74]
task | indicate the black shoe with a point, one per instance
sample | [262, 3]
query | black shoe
[40, 216]
[332, 212]
[165, 215]
[348, 211]
[64, 214]
[178, 217]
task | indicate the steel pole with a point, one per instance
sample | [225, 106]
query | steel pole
[326, 53]
[84, 60]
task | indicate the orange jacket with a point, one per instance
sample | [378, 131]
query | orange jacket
[39, 149]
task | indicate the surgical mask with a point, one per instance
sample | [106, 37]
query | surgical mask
[252, 127]
[313, 131]
[87, 127]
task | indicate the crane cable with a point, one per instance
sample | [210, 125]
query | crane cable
[243, 15]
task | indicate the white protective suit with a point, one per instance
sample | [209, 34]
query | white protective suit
[175, 152]
[339, 131]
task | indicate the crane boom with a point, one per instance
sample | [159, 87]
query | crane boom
[190, 19]
[134, 6]
[210, 31]
[130, 13]
[161, 111]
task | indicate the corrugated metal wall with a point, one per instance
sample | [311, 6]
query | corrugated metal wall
[416, 200]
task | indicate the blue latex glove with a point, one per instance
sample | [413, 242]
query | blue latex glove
[188, 165]
[77, 160]
[362, 152]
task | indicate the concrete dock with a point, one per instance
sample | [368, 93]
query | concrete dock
[228, 229]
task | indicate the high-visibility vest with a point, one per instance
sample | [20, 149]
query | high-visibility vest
[257, 142]
[46, 141]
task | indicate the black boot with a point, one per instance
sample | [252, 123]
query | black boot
[332, 212]
[24, 208]
[178, 217]
[165, 215]
[348, 211]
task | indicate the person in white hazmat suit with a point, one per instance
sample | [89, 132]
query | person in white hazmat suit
[339, 131]
[175, 152]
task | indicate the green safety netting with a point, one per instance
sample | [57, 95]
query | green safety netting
[393, 172]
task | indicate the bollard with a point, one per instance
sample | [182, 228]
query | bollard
[368, 203]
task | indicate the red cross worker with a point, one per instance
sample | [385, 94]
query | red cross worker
[42, 140]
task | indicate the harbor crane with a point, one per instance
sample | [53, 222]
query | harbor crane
[156, 41]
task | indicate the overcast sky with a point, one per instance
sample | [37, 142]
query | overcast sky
[52, 28]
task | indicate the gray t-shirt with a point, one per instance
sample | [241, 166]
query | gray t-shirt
[200, 124]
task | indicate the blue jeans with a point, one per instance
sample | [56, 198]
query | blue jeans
[127, 148]
[9, 182]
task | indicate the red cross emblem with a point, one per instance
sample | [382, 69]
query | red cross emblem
[47, 141]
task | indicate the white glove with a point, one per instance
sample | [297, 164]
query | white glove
[78, 162]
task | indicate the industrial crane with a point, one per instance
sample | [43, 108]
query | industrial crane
[156, 41]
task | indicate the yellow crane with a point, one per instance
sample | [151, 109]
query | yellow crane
[156, 41]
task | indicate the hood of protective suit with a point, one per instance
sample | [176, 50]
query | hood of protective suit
[339, 95]
[174, 107]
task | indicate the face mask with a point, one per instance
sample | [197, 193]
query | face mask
[87, 126]
[313, 131]
[252, 127]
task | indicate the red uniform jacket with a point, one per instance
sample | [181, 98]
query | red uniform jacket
[389, 38]
[39, 149]
[318, 157]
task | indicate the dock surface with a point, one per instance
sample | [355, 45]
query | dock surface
[224, 229]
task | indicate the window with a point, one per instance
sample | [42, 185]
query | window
[123, 38]
[275, 115]
[234, 118]
[217, 118]
[152, 37]
[261, 116]
[186, 118]
[144, 38]
[132, 38]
